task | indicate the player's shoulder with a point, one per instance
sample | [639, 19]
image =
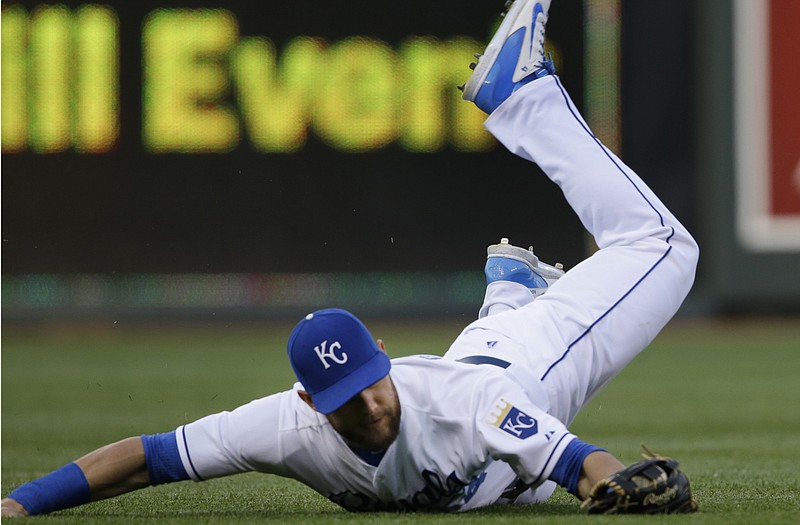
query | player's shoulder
[417, 360]
[295, 414]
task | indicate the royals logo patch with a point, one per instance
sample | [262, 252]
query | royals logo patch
[512, 420]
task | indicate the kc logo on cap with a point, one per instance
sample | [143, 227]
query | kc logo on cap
[330, 353]
[351, 360]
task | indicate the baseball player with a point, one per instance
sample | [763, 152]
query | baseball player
[487, 423]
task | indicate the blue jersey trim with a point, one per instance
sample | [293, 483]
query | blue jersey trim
[540, 477]
[660, 217]
[188, 455]
[569, 466]
[371, 458]
[163, 460]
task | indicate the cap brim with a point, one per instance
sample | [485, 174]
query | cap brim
[336, 395]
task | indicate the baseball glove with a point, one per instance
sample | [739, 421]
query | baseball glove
[654, 485]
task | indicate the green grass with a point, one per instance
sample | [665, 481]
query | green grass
[722, 397]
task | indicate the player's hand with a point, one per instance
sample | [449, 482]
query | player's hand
[12, 509]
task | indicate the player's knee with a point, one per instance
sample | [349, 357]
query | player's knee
[686, 249]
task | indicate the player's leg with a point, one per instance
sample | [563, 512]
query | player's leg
[603, 312]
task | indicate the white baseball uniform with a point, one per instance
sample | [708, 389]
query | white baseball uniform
[468, 432]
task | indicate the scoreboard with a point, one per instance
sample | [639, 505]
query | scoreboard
[252, 137]
[206, 88]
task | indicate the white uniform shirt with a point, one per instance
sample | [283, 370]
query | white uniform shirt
[467, 433]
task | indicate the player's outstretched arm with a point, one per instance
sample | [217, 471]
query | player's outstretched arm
[109, 471]
[597, 466]
[115, 469]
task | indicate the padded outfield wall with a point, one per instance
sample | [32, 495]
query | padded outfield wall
[748, 153]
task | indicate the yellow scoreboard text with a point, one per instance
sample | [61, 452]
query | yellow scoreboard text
[207, 89]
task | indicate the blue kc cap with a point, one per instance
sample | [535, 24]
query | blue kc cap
[334, 357]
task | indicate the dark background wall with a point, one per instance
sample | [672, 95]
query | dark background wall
[319, 209]
[419, 218]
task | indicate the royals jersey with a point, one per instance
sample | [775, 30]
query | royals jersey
[468, 436]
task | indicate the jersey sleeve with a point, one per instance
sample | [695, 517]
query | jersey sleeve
[243, 440]
[517, 432]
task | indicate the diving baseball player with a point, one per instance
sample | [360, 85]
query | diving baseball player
[487, 423]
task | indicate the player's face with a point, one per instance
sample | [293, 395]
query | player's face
[371, 420]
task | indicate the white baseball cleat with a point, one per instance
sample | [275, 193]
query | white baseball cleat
[506, 262]
[514, 57]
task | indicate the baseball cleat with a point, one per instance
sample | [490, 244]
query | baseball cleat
[514, 57]
[506, 262]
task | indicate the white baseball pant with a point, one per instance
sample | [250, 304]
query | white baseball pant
[567, 345]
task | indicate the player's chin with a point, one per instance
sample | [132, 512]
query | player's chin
[378, 439]
[380, 435]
